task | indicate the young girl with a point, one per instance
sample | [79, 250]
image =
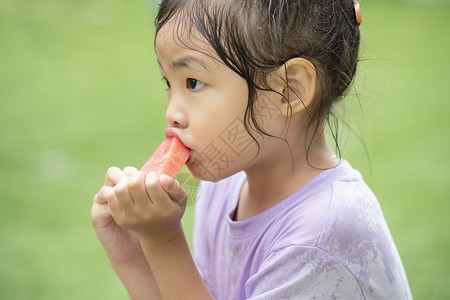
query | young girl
[251, 88]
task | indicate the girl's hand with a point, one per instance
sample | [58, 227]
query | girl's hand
[120, 244]
[150, 205]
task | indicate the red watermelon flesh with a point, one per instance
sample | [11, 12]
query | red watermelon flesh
[168, 159]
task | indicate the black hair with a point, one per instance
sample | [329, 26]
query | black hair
[256, 37]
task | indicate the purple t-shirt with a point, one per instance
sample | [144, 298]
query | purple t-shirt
[328, 240]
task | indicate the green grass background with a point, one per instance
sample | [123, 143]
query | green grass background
[80, 91]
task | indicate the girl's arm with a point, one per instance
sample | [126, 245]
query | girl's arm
[138, 279]
[121, 245]
[152, 207]
[174, 269]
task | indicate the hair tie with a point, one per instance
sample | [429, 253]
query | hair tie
[357, 12]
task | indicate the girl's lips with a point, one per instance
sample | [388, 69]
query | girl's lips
[172, 132]
[190, 156]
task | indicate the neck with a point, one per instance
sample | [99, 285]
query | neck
[280, 172]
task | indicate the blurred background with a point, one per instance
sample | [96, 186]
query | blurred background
[80, 91]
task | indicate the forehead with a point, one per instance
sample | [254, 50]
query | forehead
[176, 33]
[179, 46]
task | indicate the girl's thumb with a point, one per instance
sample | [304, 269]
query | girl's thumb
[174, 189]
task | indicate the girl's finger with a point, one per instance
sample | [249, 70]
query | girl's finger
[102, 196]
[130, 171]
[123, 195]
[154, 190]
[115, 208]
[100, 211]
[136, 186]
[174, 189]
[113, 176]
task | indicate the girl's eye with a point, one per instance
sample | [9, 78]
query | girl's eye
[194, 84]
[167, 82]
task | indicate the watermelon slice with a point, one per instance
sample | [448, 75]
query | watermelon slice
[168, 159]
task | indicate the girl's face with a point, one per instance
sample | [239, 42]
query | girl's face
[206, 107]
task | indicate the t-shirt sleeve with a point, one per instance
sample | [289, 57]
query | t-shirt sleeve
[296, 272]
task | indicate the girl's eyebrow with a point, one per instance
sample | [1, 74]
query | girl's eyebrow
[188, 63]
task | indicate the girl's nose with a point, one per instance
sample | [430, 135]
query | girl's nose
[175, 115]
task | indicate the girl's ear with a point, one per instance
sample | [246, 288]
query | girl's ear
[297, 81]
